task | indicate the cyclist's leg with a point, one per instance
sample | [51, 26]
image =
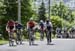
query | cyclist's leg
[16, 36]
[47, 39]
[41, 35]
[11, 39]
[50, 37]
[47, 35]
[29, 37]
[20, 37]
[30, 42]
[33, 37]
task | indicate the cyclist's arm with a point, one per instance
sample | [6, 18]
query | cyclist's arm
[27, 26]
[44, 26]
[35, 23]
[14, 27]
[7, 26]
[51, 24]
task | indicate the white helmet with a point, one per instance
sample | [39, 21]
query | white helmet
[41, 20]
[31, 19]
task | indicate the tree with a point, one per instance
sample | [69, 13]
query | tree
[42, 12]
[54, 10]
[62, 11]
[11, 9]
[60, 22]
[2, 11]
[10, 12]
[27, 11]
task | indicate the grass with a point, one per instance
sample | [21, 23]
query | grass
[2, 42]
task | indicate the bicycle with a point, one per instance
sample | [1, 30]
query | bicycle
[31, 36]
[48, 35]
[41, 35]
[11, 38]
[19, 36]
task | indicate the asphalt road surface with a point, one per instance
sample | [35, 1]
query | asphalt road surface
[56, 45]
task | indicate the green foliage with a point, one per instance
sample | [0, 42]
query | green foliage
[59, 22]
[62, 11]
[56, 20]
[9, 10]
[12, 10]
[42, 12]
[62, 16]
[26, 11]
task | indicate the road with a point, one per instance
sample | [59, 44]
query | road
[56, 45]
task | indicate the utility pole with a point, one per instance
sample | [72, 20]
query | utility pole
[19, 11]
[42, 1]
[49, 10]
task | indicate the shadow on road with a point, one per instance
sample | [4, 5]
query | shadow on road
[51, 44]
[35, 45]
[13, 46]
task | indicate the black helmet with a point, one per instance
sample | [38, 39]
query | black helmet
[47, 20]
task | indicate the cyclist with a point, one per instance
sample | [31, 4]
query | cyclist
[19, 29]
[30, 26]
[48, 26]
[10, 27]
[41, 24]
